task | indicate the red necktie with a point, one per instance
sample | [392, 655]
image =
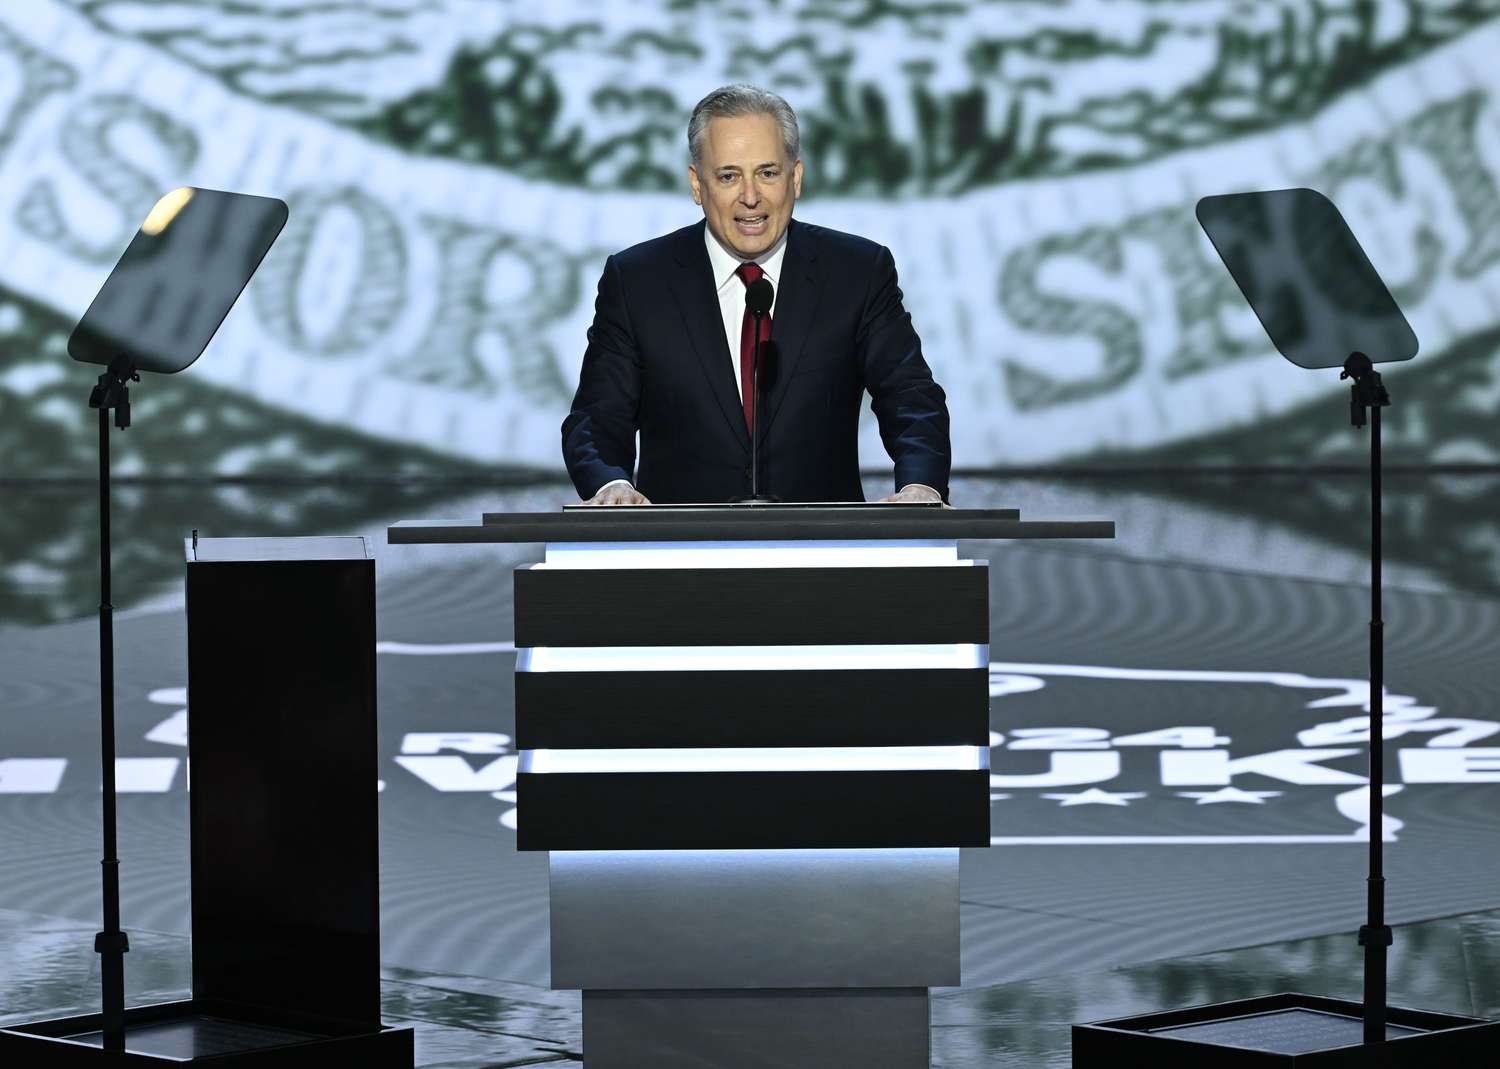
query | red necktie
[749, 273]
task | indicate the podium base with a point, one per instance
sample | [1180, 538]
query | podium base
[191, 1031]
[1282, 1031]
[749, 1028]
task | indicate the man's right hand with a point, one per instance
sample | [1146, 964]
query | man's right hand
[618, 494]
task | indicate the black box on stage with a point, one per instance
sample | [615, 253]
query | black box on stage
[1284, 1031]
[284, 819]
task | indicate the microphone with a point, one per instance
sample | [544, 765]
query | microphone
[758, 296]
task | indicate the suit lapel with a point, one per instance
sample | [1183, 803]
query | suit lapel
[796, 307]
[693, 287]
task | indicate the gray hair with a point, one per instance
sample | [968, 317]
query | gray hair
[731, 101]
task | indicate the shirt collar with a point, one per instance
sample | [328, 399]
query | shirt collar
[724, 263]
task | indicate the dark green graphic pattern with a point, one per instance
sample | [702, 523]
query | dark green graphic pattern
[972, 95]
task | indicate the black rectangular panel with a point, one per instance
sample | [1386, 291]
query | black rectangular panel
[645, 524]
[750, 606]
[885, 707]
[752, 810]
[863, 521]
[281, 724]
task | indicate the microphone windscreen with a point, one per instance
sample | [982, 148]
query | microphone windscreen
[758, 296]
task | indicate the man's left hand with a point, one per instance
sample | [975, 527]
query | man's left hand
[915, 492]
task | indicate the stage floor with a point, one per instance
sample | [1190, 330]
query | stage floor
[1227, 617]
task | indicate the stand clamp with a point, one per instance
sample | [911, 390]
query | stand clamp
[110, 392]
[111, 943]
[1366, 391]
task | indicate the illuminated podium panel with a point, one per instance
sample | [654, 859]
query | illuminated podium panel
[753, 742]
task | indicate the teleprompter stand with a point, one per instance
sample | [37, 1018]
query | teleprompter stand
[156, 312]
[1323, 305]
[110, 394]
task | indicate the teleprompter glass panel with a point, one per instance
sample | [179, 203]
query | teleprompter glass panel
[178, 278]
[1310, 283]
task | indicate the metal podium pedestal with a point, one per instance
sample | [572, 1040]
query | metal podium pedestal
[752, 742]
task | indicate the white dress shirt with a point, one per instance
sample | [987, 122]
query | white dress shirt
[732, 291]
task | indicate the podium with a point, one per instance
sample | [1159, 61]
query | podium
[283, 825]
[753, 740]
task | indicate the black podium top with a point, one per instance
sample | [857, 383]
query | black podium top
[759, 523]
[326, 547]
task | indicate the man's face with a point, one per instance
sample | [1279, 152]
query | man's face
[746, 186]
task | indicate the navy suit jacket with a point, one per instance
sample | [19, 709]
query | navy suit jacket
[657, 362]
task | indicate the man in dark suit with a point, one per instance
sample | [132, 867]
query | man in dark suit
[669, 349]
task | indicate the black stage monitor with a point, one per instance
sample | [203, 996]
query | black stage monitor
[178, 279]
[1309, 282]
